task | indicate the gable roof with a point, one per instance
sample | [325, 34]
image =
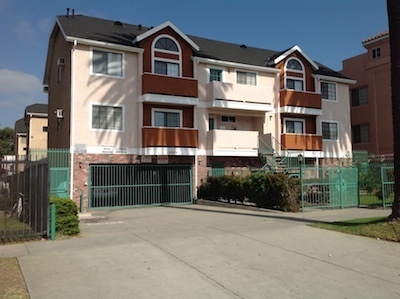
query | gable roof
[36, 109]
[165, 25]
[20, 127]
[127, 35]
[284, 54]
[95, 29]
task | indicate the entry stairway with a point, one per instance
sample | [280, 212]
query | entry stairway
[276, 158]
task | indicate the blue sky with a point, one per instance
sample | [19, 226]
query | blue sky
[327, 31]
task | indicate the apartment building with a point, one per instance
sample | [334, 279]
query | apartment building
[20, 139]
[371, 105]
[128, 98]
[35, 120]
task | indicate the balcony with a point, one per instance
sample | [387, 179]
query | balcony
[305, 142]
[239, 96]
[300, 99]
[169, 137]
[174, 86]
[232, 143]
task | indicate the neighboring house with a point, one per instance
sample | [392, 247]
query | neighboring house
[371, 106]
[126, 95]
[20, 139]
[36, 126]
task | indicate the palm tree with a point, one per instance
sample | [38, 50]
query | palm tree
[393, 7]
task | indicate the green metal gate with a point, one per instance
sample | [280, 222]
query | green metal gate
[139, 185]
[59, 161]
[387, 175]
[329, 187]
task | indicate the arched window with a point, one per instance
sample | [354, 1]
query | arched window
[166, 54]
[166, 43]
[294, 72]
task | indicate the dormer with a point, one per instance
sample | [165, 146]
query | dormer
[167, 51]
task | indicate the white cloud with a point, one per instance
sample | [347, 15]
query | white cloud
[18, 83]
[18, 90]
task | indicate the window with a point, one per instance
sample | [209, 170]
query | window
[107, 63]
[106, 117]
[328, 91]
[166, 43]
[45, 129]
[246, 78]
[228, 119]
[361, 133]
[211, 124]
[166, 56]
[294, 64]
[167, 118]
[294, 126]
[359, 96]
[215, 75]
[166, 68]
[295, 84]
[329, 130]
[294, 74]
[376, 53]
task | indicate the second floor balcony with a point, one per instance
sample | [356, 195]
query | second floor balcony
[305, 142]
[169, 137]
[167, 85]
[232, 143]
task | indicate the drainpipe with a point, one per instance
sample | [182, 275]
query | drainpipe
[72, 123]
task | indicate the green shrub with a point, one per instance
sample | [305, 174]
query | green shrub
[67, 221]
[227, 187]
[272, 191]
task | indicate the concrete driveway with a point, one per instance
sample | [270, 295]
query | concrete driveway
[209, 252]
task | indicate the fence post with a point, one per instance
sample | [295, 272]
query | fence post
[52, 222]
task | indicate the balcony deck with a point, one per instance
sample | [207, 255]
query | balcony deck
[169, 137]
[306, 142]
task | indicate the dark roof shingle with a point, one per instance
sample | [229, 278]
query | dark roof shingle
[96, 29]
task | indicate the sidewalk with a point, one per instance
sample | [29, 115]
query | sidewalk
[209, 252]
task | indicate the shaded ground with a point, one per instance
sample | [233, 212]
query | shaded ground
[12, 283]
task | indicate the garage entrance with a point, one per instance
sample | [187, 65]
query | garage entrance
[120, 186]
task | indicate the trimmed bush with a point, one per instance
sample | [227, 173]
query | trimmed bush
[266, 190]
[67, 221]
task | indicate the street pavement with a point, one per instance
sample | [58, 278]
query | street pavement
[197, 251]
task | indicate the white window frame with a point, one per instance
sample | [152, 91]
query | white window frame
[296, 120]
[336, 91]
[107, 75]
[107, 105]
[303, 79]
[154, 57]
[247, 72]
[337, 126]
[153, 110]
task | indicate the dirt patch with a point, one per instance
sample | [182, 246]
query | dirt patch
[12, 283]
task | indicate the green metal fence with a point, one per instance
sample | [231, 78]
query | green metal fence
[329, 187]
[139, 185]
[376, 181]
[59, 161]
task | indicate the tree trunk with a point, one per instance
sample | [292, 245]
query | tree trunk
[393, 7]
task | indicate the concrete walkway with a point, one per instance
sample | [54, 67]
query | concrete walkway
[209, 252]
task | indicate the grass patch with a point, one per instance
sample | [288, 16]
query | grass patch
[377, 227]
[12, 283]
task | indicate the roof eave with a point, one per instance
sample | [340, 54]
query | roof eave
[162, 26]
[290, 51]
